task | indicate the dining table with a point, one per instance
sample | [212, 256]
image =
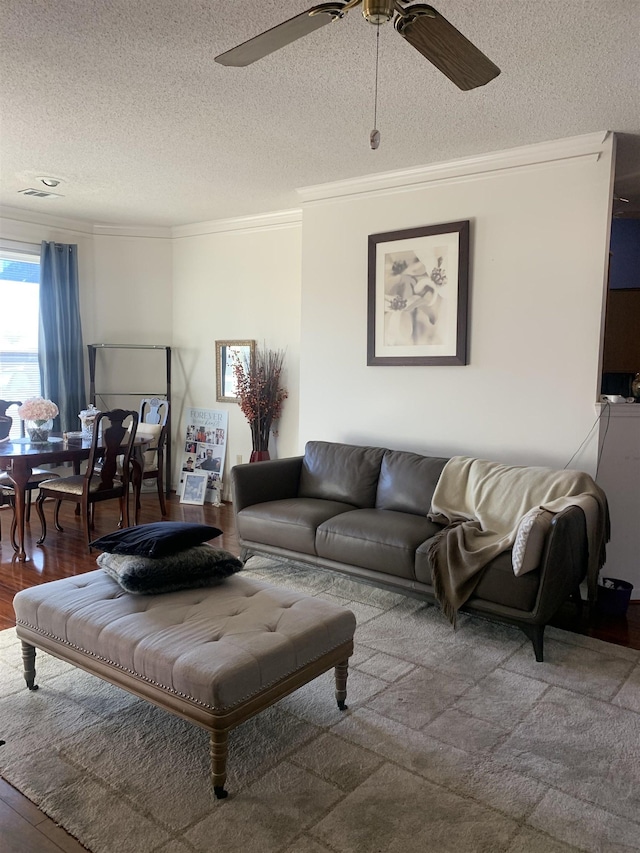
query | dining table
[20, 456]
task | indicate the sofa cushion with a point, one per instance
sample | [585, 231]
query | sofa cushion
[498, 583]
[290, 523]
[407, 481]
[340, 472]
[376, 539]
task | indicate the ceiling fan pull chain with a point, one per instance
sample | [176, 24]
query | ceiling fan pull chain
[374, 136]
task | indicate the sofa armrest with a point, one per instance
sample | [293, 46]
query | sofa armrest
[564, 564]
[258, 482]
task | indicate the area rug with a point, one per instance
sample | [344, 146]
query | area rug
[453, 741]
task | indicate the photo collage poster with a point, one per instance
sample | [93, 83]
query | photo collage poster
[204, 448]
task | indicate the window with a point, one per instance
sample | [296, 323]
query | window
[19, 294]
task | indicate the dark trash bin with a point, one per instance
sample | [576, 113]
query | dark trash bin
[614, 596]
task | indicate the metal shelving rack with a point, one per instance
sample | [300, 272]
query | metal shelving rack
[166, 393]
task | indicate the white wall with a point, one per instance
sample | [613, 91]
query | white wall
[619, 476]
[132, 305]
[539, 244]
[133, 282]
[239, 282]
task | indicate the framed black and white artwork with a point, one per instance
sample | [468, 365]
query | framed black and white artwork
[418, 296]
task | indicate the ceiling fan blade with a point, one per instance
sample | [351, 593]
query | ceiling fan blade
[445, 46]
[281, 35]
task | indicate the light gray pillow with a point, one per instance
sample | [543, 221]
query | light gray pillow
[530, 538]
[195, 567]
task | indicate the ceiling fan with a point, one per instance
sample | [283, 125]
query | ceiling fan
[421, 25]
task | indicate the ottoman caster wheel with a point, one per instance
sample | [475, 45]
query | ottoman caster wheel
[220, 792]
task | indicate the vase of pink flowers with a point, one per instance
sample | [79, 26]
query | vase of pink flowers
[38, 415]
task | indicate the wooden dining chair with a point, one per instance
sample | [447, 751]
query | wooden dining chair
[107, 475]
[38, 475]
[153, 424]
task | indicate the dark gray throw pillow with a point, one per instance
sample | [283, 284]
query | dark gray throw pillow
[194, 567]
[157, 539]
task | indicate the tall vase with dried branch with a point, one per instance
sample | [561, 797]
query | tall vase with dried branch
[260, 395]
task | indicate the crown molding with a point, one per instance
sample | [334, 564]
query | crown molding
[155, 231]
[590, 146]
[257, 222]
[80, 226]
[35, 218]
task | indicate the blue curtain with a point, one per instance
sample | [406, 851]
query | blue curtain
[60, 350]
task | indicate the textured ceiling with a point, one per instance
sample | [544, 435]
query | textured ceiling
[122, 100]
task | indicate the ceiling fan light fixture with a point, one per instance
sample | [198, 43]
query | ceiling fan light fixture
[378, 11]
[421, 25]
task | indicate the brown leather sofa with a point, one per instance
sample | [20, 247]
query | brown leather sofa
[363, 511]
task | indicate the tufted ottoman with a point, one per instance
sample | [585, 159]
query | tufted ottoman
[213, 656]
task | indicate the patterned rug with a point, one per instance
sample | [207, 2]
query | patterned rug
[453, 741]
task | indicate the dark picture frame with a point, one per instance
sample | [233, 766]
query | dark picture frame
[418, 295]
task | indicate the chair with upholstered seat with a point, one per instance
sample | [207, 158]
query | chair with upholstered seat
[107, 475]
[153, 424]
[6, 483]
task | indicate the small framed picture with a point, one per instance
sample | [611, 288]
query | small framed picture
[194, 487]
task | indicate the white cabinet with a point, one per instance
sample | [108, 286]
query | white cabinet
[619, 476]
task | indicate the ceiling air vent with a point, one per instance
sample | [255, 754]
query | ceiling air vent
[30, 191]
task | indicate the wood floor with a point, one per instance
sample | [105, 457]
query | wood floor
[23, 827]
[66, 554]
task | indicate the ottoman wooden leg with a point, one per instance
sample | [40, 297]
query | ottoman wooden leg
[29, 664]
[341, 684]
[218, 746]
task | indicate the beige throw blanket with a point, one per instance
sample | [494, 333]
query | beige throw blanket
[482, 503]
